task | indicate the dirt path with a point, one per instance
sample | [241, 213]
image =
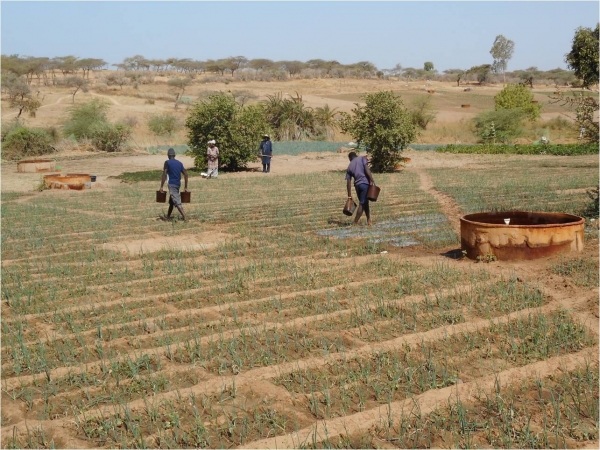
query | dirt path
[112, 99]
[449, 207]
[58, 101]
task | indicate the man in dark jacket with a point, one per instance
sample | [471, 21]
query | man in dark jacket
[359, 170]
[173, 169]
[266, 151]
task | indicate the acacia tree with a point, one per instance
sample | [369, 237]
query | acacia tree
[428, 66]
[383, 125]
[583, 57]
[502, 51]
[180, 84]
[76, 83]
[481, 72]
[236, 62]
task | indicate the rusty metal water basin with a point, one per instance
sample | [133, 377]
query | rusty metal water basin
[521, 235]
[75, 181]
[36, 165]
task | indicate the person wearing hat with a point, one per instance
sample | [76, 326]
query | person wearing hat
[266, 151]
[212, 156]
[173, 169]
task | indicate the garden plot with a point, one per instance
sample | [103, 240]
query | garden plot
[293, 330]
[400, 232]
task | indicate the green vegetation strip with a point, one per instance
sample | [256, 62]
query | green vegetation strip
[522, 149]
[382, 319]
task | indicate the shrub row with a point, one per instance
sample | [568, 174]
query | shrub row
[522, 149]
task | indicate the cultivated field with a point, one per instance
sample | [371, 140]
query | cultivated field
[267, 321]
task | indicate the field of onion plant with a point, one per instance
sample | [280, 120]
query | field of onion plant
[267, 320]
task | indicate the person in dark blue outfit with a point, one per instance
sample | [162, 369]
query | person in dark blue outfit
[266, 151]
[359, 170]
[173, 169]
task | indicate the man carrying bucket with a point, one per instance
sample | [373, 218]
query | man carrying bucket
[173, 169]
[359, 170]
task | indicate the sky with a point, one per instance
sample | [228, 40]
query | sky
[450, 34]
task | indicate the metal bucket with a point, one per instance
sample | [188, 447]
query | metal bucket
[161, 197]
[349, 207]
[185, 197]
[373, 192]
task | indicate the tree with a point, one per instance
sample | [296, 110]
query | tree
[88, 64]
[481, 72]
[242, 96]
[66, 64]
[586, 113]
[27, 104]
[137, 62]
[528, 75]
[395, 71]
[502, 51]
[428, 66]
[260, 64]
[235, 63]
[583, 57]
[237, 130]
[383, 125]
[219, 66]
[116, 78]
[517, 96]
[458, 74]
[180, 84]
[76, 83]
[292, 67]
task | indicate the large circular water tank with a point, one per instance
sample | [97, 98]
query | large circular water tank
[520, 234]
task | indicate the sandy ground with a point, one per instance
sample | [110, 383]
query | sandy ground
[104, 166]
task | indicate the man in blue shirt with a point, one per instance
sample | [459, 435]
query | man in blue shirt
[359, 170]
[266, 151]
[173, 169]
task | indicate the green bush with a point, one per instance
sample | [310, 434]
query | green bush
[517, 96]
[24, 142]
[499, 126]
[109, 137]
[84, 118]
[237, 130]
[525, 149]
[10, 125]
[421, 111]
[383, 125]
[163, 124]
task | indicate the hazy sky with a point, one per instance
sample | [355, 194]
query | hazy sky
[448, 33]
